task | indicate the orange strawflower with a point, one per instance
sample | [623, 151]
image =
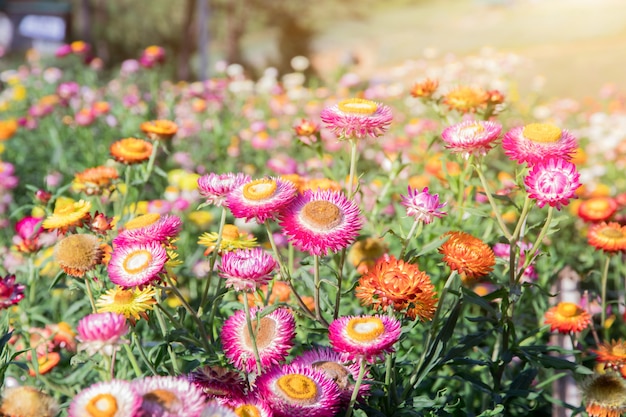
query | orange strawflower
[466, 99]
[94, 181]
[398, 284]
[159, 129]
[567, 318]
[425, 88]
[45, 363]
[131, 151]
[469, 256]
[605, 395]
[609, 237]
[612, 355]
[597, 209]
[7, 129]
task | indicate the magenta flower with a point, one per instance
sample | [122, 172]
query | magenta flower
[250, 405]
[247, 269]
[274, 333]
[538, 141]
[553, 182]
[423, 206]
[471, 137]
[364, 337]
[260, 199]
[218, 382]
[27, 234]
[298, 391]
[169, 396]
[357, 118]
[136, 263]
[111, 398]
[503, 251]
[215, 187]
[11, 293]
[152, 227]
[321, 221]
[101, 332]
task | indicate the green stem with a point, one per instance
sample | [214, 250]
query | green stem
[133, 360]
[353, 162]
[389, 373]
[521, 220]
[163, 327]
[605, 279]
[142, 353]
[316, 293]
[90, 294]
[492, 202]
[408, 238]
[357, 385]
[213, 259]
[255, 349]
[532, 253]
[150, 166]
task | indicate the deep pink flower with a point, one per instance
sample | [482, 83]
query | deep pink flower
[215, 187]
[136, 263]
[260, 199]
[357, 118]
[168, 396]
[321, 221]
[101, 332]
[471, 136]
[247, 269]
[365, 337]
[298, 391]
[553, 182]
[423, 206]
[274, 334]
[152, 228]
[11, 293]
[538, 141]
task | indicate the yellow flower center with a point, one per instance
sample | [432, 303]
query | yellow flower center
[298, 387]
[358, 105]
[123, 296]
[137, 261]
[230, 232]
[619, 350]
[264, 332]
[164, 398]
[542, 132]
[321, 215]
[135, 145]
[102, 405]
[472, 129]
[339, 374]
[568, 309]
[259, 189]
[365, 329]
[247, 410]
[78, 251]
[142, 221]
[612, 233]
[606, 390]
[598, 204]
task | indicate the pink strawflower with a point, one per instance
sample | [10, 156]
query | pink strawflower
[337, 367]
[553, 182]
[101, 332]
[215, 187]
[151, 227]
[216, 381]
[423, 206]
[298, 391]
[136, 263]
[471, 137]
[11, 293]
[321, 221]
[538, 141]
[274, 334]
[114, 398]
[366, 337]
[169, 396]
[357, 118]
[260, 199]
[247, 269]
[215, 409]
[249, 405]
[28, 231]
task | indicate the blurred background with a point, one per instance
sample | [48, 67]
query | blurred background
[574, 48]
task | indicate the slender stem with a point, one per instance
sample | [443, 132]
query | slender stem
[213, 259]
[389, 373]
[357, 385]
[460, 200]
[408, 238]
[492, 202]
[127, 173]
[163, 327]
[353, 161]
[255, 349]
[605, 279]
[533, 250]
[521, 220]
[342, 260]
[142, 353]
[316, 293]
[150, 166]
[133, 360]
[112, 370]
[90, 294]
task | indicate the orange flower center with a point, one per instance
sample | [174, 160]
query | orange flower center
[259, 189]
[358, 105]
[164, 398]
[142, 221]
[612, 233]
[102, 405]
[264, 333]
[321, 214]
[299, 388]
[247, 410]
[123, 296]
[568, 309]
[365, 329]
[542, 132]
[230, 232]
[472, 129]
[135, 145]
[137, 261]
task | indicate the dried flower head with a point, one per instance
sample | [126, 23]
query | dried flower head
[357, 118]
[67, 216]
[553, 182]
[11, 292]
[22, 401]
[131, 151]
[536, 142]
[605, 395]
[609, 237]
[466, 99]
[95, 181]
[159, 129]
[567, 318]
[78, 254]
[423, 206]
[597, 209]
[468, 255]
